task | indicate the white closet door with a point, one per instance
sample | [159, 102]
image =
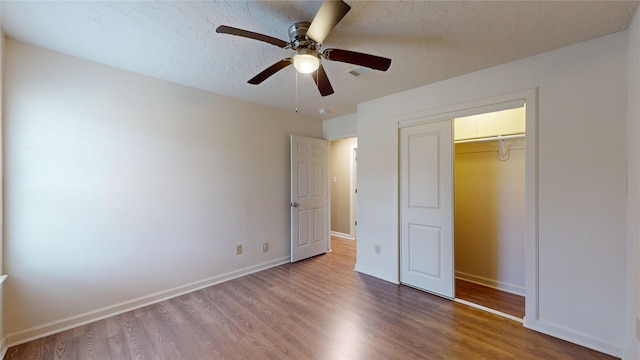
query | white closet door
[426, 215]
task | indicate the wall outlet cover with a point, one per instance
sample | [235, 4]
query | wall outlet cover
[238, 249]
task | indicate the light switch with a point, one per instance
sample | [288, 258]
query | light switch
[334, 179]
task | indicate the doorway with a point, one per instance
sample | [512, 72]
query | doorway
[343, 175]
[489, 211]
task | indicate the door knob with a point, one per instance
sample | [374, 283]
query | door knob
[295, 204]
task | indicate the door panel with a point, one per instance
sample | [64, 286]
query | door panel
[426, 215]
[309, 197]
[423, 155]
[424, 245]
[303, 226]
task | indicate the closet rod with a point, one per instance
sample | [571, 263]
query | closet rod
[492, 138]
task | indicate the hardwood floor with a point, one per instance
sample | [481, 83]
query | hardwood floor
[319, 308]
[493, 299]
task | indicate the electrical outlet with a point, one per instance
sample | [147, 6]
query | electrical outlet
[377, 249]
[265, 247]
[238, 249]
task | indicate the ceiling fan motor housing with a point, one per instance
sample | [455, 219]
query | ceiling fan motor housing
[298, 36]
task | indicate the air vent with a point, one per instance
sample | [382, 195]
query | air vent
[359, 71]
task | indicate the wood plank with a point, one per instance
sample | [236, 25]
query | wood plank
[492, 298]
[316, 308]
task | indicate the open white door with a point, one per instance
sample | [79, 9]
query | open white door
[426, 208]
[309, 197]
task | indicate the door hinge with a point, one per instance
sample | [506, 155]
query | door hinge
[356, 222]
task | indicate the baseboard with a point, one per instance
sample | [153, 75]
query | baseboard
[577, 337]
[54, 327]
[375, 273]
[484, 308]
[3, 339]
[492, 283]
[342, 235]
[3, 348]
[631, 351]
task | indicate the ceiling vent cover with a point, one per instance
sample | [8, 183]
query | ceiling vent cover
[359, 71]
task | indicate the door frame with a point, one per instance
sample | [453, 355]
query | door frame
[353, 209]
[529, 98]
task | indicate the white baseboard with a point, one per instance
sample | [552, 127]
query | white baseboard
[54, 327]
[375, 273]
[577, 337]
[3, 348]
[3, 339]
[342, 235]
[484, 308]
[492, 283]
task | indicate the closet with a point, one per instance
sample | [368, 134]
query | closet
[489, 209]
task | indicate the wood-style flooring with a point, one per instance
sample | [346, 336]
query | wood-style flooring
[319, 308]
[491, 298]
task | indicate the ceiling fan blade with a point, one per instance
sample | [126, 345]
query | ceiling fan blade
[223, 29]
[356, 58]
[327, 17]
[266, 73]
[321, 79]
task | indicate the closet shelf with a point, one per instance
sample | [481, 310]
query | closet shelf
[492, 138]
[504, 152]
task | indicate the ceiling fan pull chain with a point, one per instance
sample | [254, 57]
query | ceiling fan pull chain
[296, 92]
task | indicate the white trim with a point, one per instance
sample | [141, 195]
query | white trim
[497, 103]
[57, 326]
[578, 337]
[342, 235]
[484, 308]
[492, 283]
[3, 348]
[353, 176]
[3, 340]
[375, 273]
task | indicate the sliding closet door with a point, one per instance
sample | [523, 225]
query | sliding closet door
[426, 203]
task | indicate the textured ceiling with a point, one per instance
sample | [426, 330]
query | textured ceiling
[428, 41]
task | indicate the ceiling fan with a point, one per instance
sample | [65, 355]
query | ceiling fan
[306, 39]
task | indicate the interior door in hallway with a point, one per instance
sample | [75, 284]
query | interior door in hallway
[309, 197]
[426, 203]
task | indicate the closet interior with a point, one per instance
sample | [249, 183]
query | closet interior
[489, 215]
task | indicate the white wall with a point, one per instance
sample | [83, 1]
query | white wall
[581, 180]
[340, 127]
[633, 192]
[122, 189]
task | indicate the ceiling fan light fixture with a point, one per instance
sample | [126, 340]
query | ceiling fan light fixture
[306, 61]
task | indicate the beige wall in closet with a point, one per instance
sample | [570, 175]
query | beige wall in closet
[341, 184]
[489, 214]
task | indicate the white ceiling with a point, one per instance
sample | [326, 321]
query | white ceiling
[428, 41]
